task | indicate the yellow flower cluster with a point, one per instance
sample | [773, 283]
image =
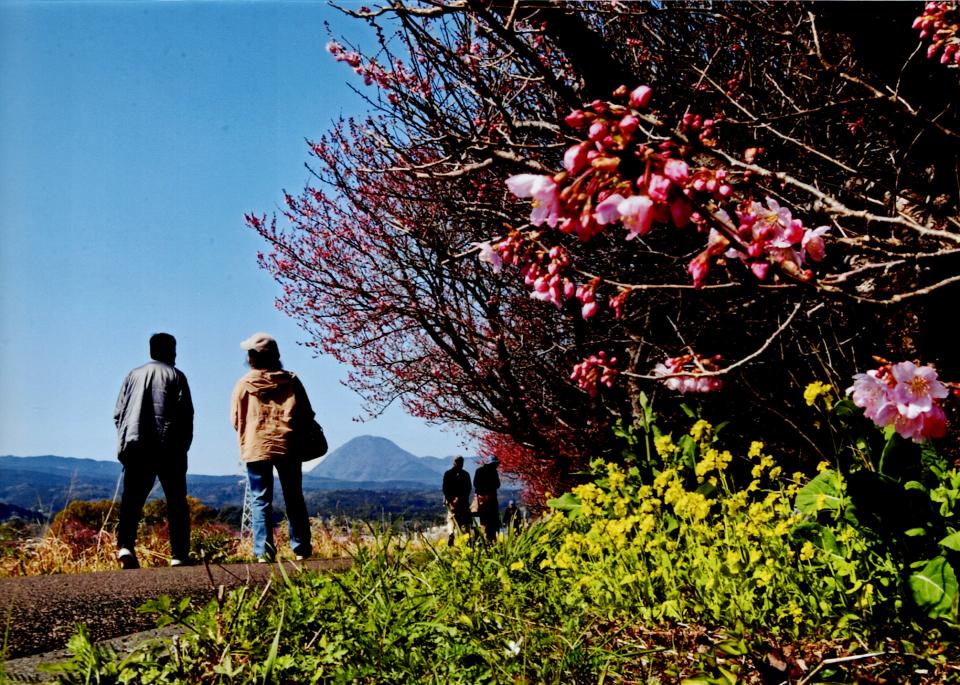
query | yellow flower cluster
[664, 446]
[658, 543]
[701, 431]
[712, 460]
[819, 389]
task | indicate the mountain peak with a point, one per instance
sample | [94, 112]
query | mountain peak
[374, 458]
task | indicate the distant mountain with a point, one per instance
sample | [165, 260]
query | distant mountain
[377, 460]
[379, 463]
[367, 463]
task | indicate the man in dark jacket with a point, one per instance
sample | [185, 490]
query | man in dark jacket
[456, 495]
[154, 418]
[486, 481]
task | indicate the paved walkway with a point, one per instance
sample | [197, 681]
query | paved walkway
[41, 612]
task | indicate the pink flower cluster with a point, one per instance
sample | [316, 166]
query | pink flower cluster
[771, 236]
[372, 73]
[595, 370]
[685, 373]
[905, 396]
[940, 22]
[592, 194]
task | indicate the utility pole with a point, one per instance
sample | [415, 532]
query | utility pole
[246, 519]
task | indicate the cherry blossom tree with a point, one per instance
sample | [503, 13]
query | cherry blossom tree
[556, 209]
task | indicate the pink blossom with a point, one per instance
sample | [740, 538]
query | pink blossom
[588, 310]
[640, 97]
[636, 212]
[607, 211]
[489, 256]
[870, 393]
[576, 157]
[659, 187]
[916, 389]
[546, 201]
[812, 245]
[677, 171]
[905, 396]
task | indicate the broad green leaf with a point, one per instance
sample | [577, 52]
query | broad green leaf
[914, 485]
[934, 587]
[566, 502]
[915, 532]
[952, 541]
[823, 492]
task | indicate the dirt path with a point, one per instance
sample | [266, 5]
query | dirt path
[41, 612]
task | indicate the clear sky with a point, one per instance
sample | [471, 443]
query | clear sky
[133, 137]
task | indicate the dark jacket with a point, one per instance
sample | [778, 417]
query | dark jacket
[486, 480]
[154, 412]
[456, 485]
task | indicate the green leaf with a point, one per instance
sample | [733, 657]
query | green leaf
[688, 448]
[915, 532]
[934, 587]
[845, 408]
[274, 647]
[888, 448]
[952, 541]
[914, 485]
[687, 410]
[823, 492]
[566, 502]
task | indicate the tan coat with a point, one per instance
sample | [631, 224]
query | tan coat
[265, 406]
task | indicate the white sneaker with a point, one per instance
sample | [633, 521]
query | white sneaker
[177, 562]
[127, 559]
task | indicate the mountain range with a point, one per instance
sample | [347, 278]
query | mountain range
[366, 463]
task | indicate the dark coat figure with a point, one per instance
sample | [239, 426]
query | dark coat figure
[456, 495]
[512, 517]
[154, 419]
[486, 482]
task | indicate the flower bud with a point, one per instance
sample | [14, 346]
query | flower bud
[640, 97]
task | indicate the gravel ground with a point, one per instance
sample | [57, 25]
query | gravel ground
[41, 612]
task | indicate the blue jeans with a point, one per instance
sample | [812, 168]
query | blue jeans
[260, 477]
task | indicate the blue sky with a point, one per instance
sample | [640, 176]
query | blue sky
[133, 137]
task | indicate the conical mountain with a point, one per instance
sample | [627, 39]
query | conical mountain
[374, 459]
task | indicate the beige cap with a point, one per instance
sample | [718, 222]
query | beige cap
[259, 342]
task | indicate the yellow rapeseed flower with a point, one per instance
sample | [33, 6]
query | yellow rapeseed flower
[517, 565]
[664, 446]
[818, 389]
[807, 551]
[701, 430]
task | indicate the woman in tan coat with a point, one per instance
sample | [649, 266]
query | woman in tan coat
[267, 402]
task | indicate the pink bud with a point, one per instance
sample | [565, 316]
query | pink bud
[629, 124]
[576, 119]
[597, 131]
[759, 269]
[588, 310]
[640, 97]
